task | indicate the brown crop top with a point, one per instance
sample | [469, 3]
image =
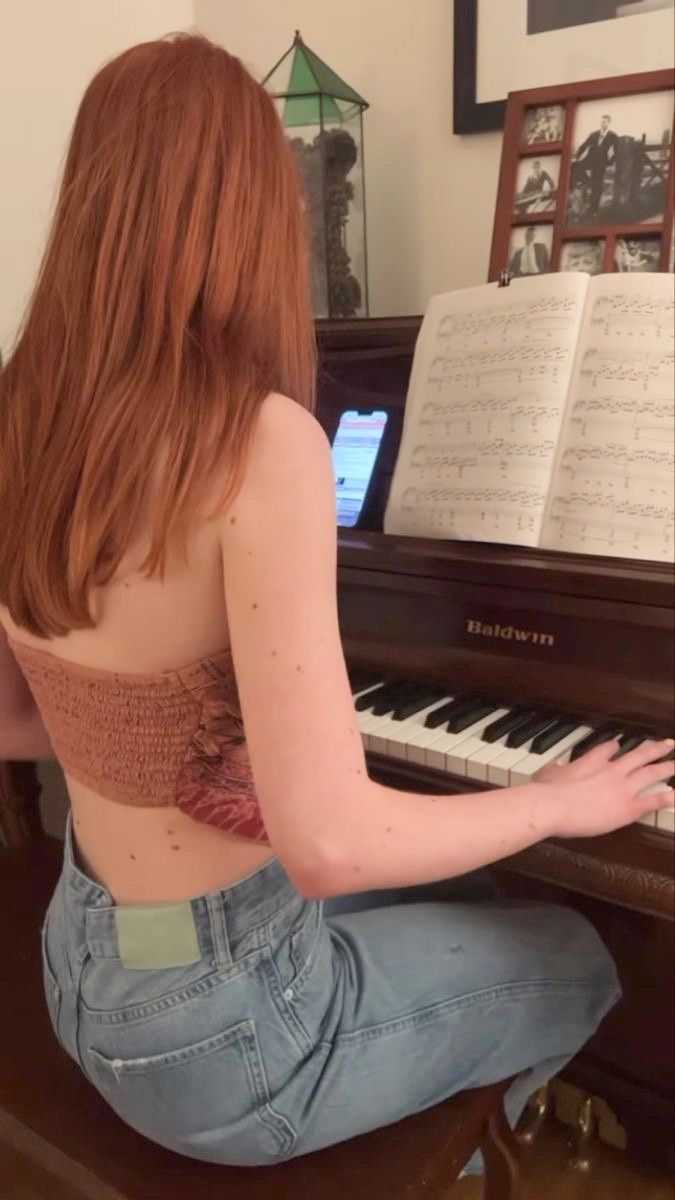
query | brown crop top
[151, 740]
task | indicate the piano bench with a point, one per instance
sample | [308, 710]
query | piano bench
[54, 1123]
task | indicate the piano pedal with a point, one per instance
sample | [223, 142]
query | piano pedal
[536, 1112]
[586, 1123]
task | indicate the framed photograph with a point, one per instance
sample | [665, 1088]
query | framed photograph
[537, 185]
[620, 160]
[600, 197]
[544, 16]
[530, 251]
[503, 46]
[544, 123]
[588, 256]
[637, 254]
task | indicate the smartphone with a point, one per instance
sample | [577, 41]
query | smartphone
[356, 446]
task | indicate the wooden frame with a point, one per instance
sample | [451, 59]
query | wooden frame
[515, 150]
[468, 115]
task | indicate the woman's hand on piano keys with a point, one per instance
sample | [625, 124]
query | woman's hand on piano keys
[600, 792]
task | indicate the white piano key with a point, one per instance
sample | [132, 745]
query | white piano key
[528, 766]
[665, 820]
[420, 737]
[398, 733]
[477, 768]
[446, 753]
[475, 745]
[499, 769]
[364, 691]
[395, 733]
[648, 819]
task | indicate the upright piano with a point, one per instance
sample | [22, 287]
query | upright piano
[526, 654]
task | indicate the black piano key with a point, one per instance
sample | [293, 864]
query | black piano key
[522, 734]
[396, 693]
[362, 703]
[551, 736]
[442, 714]
[630, 741]
[474, 712]
[503, 725]
[358, 680]
[416, 703]
[596, 738]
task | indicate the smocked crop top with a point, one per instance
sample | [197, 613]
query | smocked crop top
[150, 740]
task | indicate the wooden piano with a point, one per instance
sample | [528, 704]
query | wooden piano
[590, 641]
[586, 640]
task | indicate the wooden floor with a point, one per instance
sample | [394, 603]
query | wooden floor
[549, 1177]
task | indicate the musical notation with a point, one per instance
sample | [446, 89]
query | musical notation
[484, 411]
[613, 488]
[543, 415]
[634, 316]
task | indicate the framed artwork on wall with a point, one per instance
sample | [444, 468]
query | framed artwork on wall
[502, 46]
[586, 179]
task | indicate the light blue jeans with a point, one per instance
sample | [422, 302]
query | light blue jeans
[252, 1025]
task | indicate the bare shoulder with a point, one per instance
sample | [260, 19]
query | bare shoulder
[286, 431]
[289, 462]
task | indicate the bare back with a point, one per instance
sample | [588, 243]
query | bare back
[148, 626]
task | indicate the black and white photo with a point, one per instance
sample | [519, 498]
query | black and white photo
[620, 159]
[544, 123]
[584, 255]
[530, 251]
[537, 185]
[637, 254]
[544, 16]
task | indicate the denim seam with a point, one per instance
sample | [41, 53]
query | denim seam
[510, 992]
[311, 956]
[276, 991]
[138, 1013]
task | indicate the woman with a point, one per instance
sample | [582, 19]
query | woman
[168, 523]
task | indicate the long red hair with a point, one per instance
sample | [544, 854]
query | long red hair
[172, 298]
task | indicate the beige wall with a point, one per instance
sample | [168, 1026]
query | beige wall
[430, 195]
[49, 49]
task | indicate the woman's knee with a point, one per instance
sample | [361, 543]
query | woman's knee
[583, 958]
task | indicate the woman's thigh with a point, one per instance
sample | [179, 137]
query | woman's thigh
[432, 998]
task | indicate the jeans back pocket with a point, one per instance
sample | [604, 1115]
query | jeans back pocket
[208, 1100]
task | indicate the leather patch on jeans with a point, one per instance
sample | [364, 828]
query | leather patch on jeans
[152, 936]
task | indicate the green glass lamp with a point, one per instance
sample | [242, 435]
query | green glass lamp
[323, 119]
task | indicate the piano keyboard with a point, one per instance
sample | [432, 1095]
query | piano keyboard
[474, 737]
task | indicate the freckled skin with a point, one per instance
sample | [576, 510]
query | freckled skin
[233, 520]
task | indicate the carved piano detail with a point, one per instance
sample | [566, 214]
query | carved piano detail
[583, 643]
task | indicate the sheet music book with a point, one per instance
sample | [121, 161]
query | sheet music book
[543, 414]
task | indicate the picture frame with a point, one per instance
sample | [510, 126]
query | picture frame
[470, 116]
[508, 46]
[615, 171]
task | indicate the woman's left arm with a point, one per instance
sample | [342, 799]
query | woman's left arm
[22, 733]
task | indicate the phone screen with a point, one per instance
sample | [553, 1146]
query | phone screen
[355, 449]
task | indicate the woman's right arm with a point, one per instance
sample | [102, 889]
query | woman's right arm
[334, 829]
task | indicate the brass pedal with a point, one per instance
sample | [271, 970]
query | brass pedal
[536, 1112]
[586, 1123]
